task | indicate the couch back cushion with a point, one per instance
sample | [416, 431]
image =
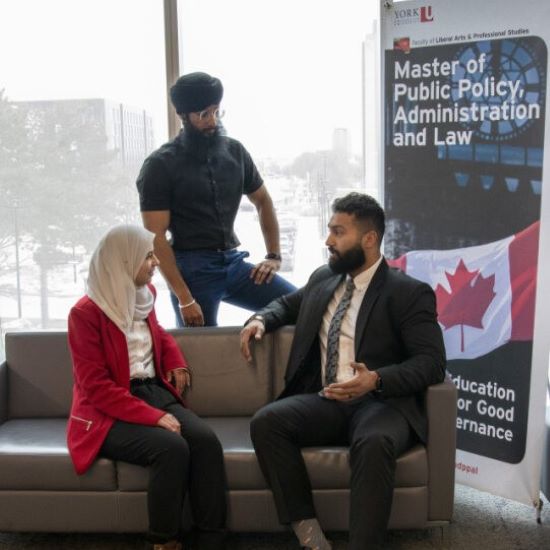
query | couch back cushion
[39, 374]
[281, 348]
[224, 384]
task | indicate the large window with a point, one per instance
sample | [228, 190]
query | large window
[294, 95]
[82, 102]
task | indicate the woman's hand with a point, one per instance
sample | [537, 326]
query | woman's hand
[169, 422]
[180, 379]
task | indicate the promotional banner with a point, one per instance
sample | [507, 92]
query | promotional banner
[467, 203]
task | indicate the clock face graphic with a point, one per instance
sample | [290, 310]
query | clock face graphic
[505, 61]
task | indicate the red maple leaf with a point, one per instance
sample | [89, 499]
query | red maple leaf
[466, 304]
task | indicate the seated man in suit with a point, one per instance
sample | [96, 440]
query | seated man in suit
[366, 346]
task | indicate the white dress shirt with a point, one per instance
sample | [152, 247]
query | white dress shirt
[140, 350]
[346, 348]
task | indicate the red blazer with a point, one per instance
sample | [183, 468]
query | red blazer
[101, 369]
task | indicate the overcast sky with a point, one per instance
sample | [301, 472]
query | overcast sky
[291, 69]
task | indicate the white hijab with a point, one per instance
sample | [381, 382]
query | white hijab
[113, 269]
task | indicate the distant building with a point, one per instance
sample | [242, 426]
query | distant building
[128, 130]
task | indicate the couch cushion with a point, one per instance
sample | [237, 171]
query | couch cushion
[40, 373]
[34, 456]
[224, 383]
[40, 377]
[328, 467]
[241, 466]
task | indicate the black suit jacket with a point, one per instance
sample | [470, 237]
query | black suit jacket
[397, 335]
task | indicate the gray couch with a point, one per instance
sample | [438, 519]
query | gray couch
[39, 490]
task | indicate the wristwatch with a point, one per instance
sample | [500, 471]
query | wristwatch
[378, 387]
[273, 256]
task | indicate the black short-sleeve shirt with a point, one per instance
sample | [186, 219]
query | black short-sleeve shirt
[202, 188]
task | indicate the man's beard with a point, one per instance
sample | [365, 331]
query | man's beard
[347, 261]
[200, 143]
[199, 137]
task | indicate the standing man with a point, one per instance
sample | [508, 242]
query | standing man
[192, 186]
[366, 346]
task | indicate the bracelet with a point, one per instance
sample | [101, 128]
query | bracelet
[183, 306]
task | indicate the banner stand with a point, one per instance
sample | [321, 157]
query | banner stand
[465, 142]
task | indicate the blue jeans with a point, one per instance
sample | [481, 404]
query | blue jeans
[214, 276]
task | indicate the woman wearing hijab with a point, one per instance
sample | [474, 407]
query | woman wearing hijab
[128, 378]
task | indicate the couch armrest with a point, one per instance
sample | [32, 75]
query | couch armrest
[3, 392]
[441, 408]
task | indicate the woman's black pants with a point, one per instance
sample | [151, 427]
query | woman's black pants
[191, 462]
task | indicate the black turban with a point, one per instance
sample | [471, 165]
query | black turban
[194, 92]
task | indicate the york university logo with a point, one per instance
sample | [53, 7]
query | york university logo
[406, 16]
[426, 15]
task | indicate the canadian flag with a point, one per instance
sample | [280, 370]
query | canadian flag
[485, 294]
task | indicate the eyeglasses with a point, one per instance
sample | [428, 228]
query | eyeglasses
[207, 113]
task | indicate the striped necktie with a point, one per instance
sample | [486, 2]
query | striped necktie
[333, 338]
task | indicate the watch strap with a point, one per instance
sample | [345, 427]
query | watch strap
[273, 256]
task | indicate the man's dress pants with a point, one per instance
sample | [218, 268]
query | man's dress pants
[376, 434]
